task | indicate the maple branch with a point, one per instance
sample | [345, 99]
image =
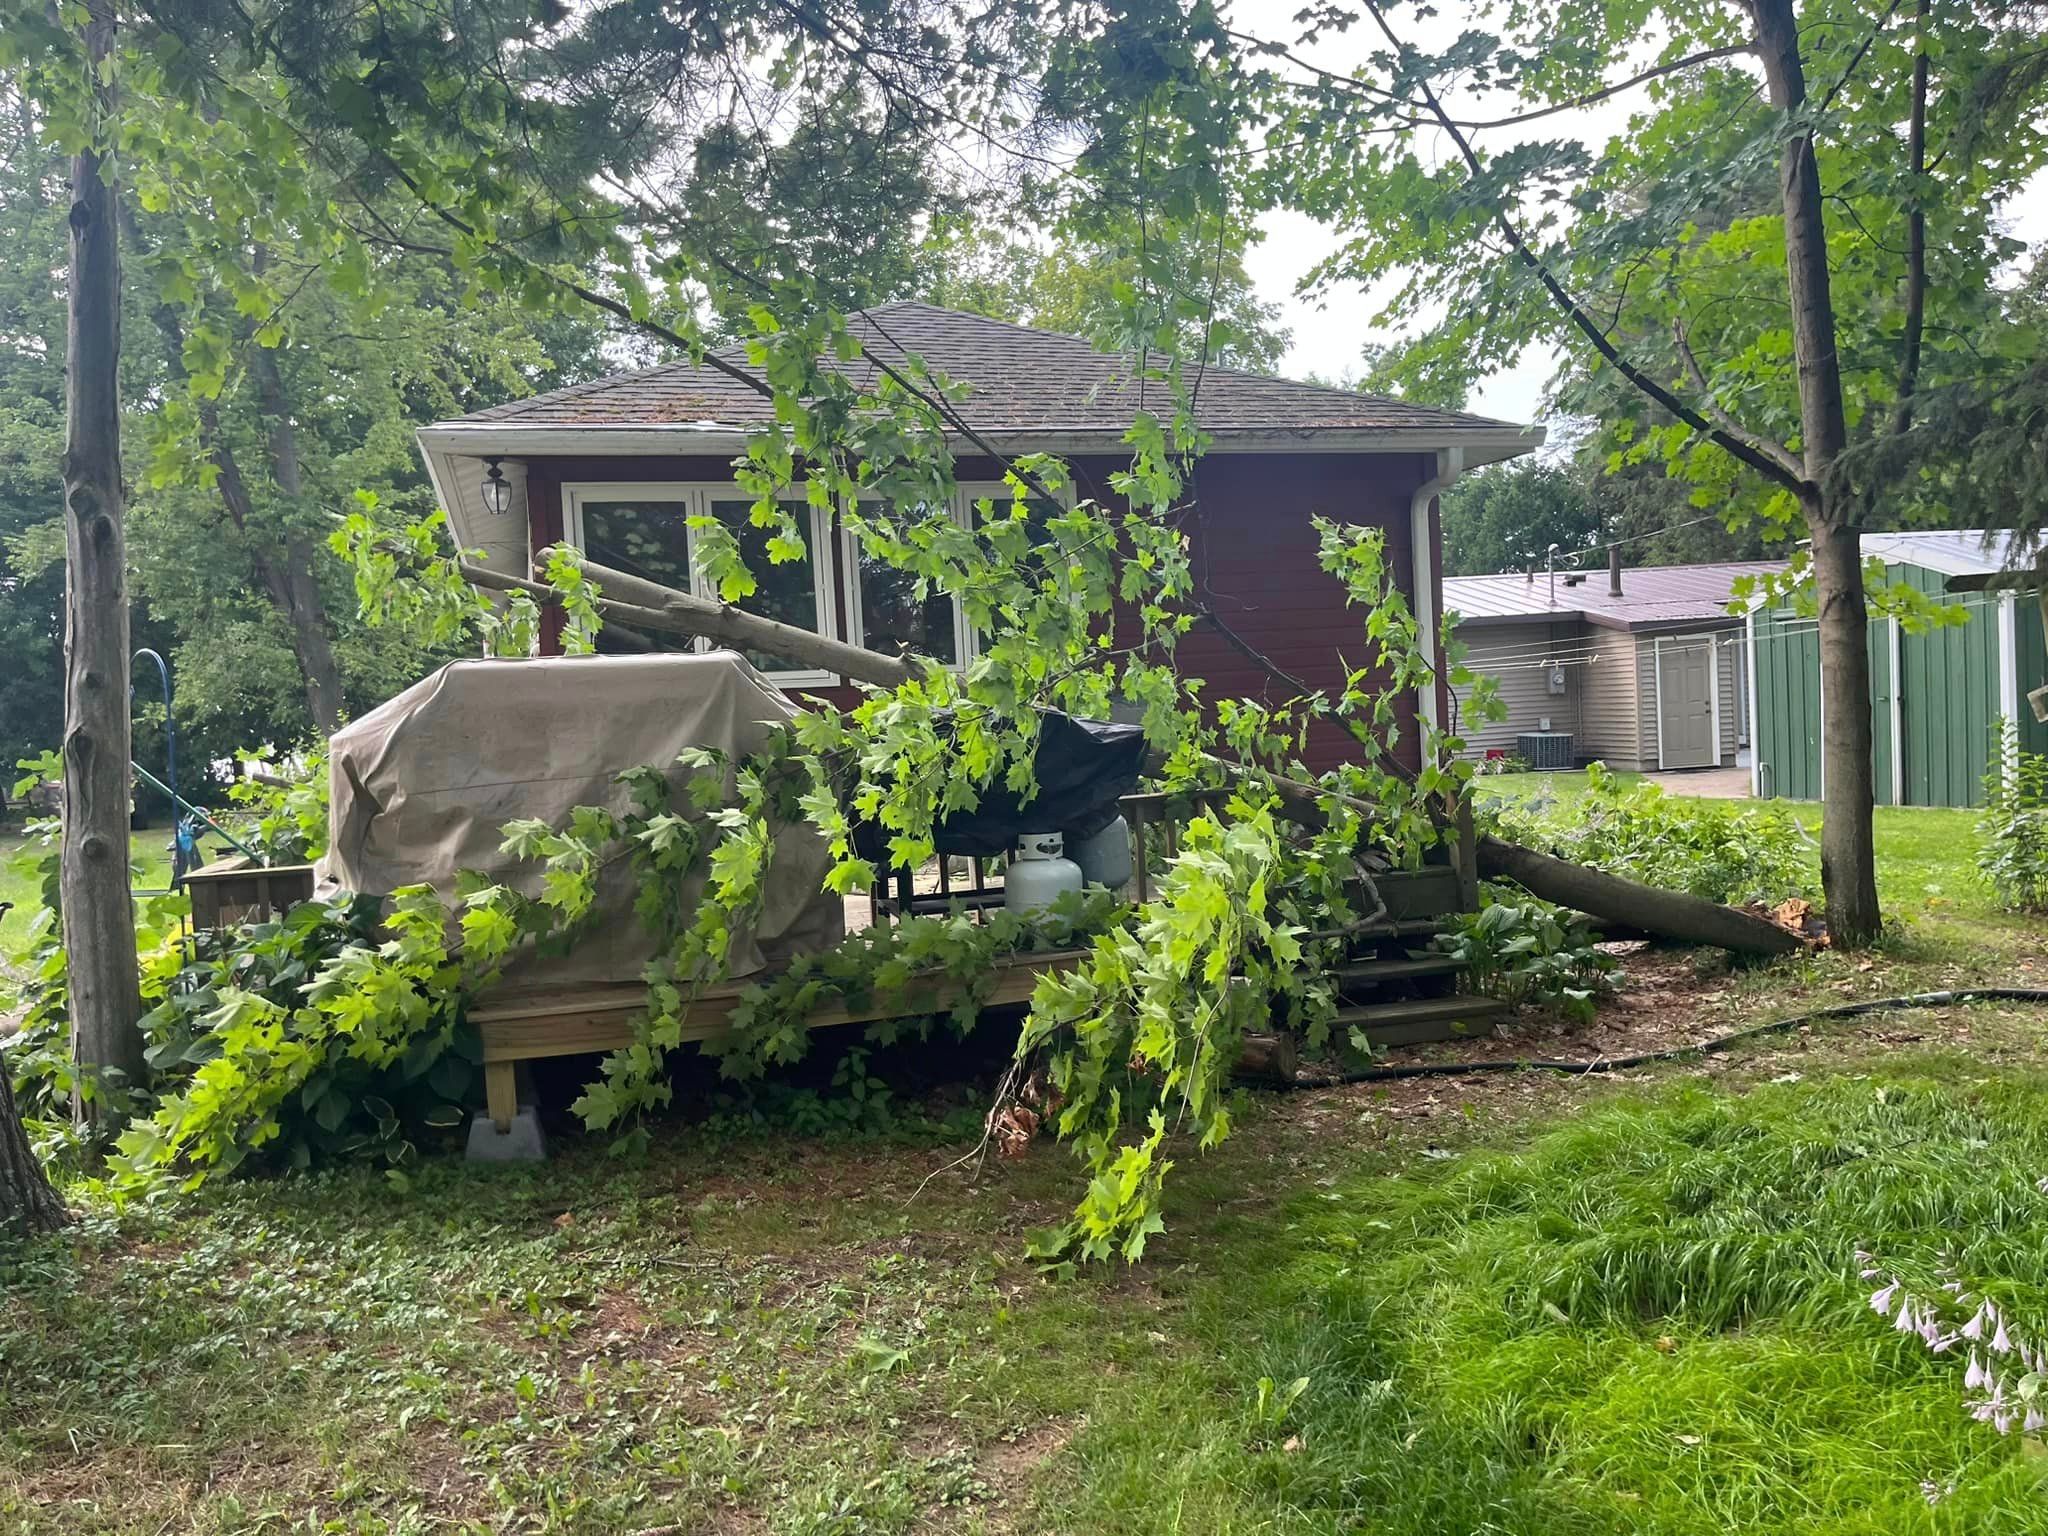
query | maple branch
[1740, 446]
[1713, 407]
[1363, 88]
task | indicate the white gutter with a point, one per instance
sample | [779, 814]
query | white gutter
[1478, 445]
[1450, 464]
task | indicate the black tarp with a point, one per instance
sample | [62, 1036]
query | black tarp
[1083, 768]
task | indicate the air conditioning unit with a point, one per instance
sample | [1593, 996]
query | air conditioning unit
[1545, 749]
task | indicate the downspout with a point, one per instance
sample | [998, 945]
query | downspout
[1450, 464]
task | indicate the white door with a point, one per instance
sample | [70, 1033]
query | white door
[1685, 703]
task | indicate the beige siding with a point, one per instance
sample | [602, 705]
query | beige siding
[1513, 656]
[1610, 715]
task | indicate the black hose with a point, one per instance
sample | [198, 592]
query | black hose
[1704, 1048]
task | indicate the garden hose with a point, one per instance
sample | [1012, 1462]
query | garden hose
[1704, 1048]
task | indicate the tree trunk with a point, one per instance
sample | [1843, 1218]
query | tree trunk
[1672, 914]
[1848, 852]
[1848, 847]
[296, 589]
[98, 911]
[27, 1202]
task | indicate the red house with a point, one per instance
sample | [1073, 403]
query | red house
[618, 466]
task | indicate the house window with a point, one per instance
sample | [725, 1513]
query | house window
[1001, 499]
[645, 530]
[887, 615]
[642, 531]
[796, 592]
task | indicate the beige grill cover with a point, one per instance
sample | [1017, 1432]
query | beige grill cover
[422, 784]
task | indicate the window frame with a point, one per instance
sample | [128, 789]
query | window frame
[696, 498]
[963, 637]
[965, 494]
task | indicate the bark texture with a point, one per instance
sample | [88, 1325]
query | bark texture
[99, 915]
[27, 1202]
[1671, 914]
[1848, 847]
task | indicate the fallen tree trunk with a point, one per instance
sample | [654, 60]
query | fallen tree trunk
[650, 605]
[1670, 913]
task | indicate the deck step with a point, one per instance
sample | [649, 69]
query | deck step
[1419, 1021]
[1368, 972]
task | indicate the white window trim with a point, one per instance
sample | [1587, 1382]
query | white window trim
[1713, 689]
[696, 497]
[966, 494]
[963, 640]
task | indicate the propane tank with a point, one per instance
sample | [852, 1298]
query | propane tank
[1039, 872]
[1105, 858]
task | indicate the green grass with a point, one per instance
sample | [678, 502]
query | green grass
[148, 854]
[1927, 881]
[1547, 1307]
[1645, 1321]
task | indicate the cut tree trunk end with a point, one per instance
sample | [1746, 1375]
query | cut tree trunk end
[99, 914]
[1672, 914]
[27, 1201]
[1848, 845]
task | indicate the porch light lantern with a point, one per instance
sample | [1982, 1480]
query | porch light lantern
[497, 490]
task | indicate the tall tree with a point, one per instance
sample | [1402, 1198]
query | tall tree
[1183, 286]
[99, 921]
[1793, 241]
[1509, 517]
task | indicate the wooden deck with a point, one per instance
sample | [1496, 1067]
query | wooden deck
[1397, 997]
[528, 1025]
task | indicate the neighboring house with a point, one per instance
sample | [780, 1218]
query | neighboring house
[1936, 697]
[1639, 669]
[620, 465]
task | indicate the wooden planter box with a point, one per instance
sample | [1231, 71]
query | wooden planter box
[239, 890]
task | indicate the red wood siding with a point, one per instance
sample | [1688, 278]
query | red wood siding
[1251, 542]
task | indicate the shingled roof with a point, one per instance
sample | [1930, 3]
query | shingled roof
[1024, 382]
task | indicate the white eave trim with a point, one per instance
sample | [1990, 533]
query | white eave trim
[1482, 445]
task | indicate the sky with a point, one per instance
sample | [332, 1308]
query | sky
[1329, 331]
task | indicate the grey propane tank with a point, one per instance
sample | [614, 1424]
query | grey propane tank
[1105, 858]
[1039, 872]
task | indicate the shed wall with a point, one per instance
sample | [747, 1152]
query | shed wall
[1514, 656]
[1948, 690]
[1610, 711]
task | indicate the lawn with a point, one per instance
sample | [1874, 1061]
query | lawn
[1513, 1303]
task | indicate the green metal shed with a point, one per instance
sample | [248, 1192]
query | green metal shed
[1936, 698]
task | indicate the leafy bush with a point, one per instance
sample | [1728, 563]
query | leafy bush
[289, 809]
[307, 1035]
[2012, 834]
[1523, 950]
[1719, 850]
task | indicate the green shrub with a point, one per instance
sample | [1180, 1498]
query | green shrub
[1719, 850]
[1524, 950]
[289, 809]
[2012, 834]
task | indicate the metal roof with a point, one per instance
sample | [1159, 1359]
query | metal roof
[1023, 381]
[1650, 595]
[1951, 551]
